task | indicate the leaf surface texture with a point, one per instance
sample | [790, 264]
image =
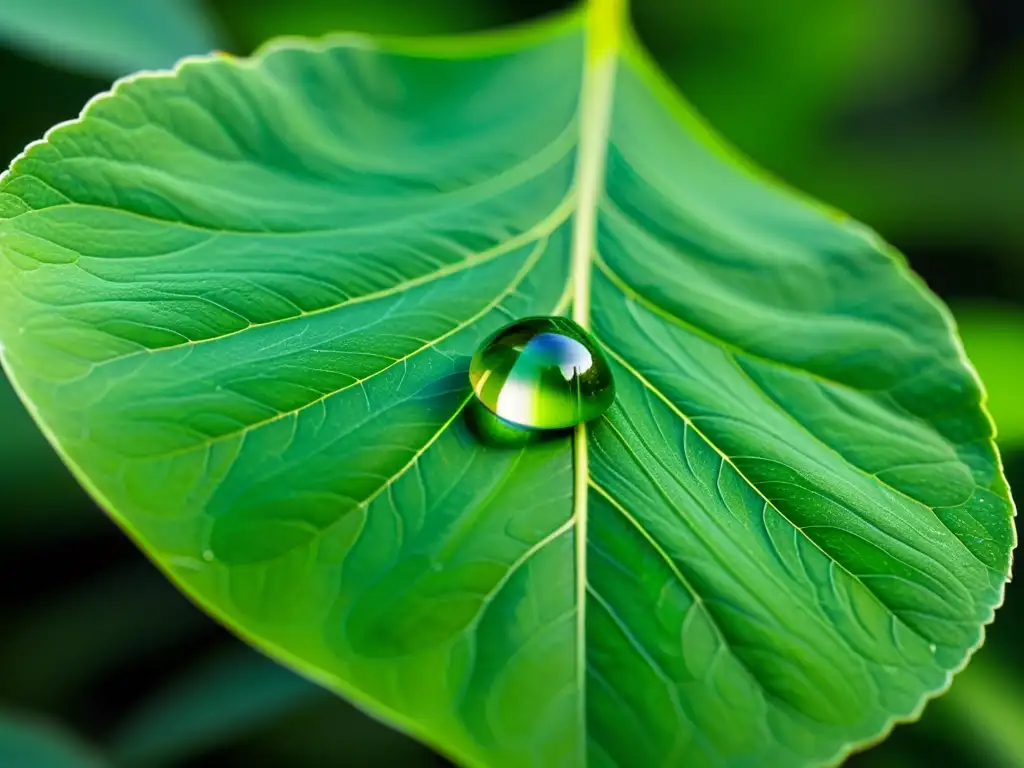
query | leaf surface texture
[241, 298]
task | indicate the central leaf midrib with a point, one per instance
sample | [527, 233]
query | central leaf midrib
[604, 28]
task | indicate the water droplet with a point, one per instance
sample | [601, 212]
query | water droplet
[497, 432]
[542, 373]
[208, 555]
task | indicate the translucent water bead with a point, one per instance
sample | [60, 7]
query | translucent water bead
[542, 373]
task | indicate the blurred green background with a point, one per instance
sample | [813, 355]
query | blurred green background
[908, 114]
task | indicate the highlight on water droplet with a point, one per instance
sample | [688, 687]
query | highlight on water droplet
[495, 431]
[542, 373]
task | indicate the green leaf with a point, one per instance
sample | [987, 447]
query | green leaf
[224, 697]
[242, 298]
[994, 338]
[108, 37]
[28, 742]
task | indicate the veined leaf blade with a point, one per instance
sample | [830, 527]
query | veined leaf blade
[241, 300]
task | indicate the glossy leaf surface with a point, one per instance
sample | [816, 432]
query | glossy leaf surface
[242, 299]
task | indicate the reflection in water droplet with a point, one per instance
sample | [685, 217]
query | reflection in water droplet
[542, 373]
[495, 431]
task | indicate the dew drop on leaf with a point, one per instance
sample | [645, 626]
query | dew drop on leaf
[542, 373]
[496, 432]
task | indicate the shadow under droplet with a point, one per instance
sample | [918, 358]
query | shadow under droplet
[490, 429]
